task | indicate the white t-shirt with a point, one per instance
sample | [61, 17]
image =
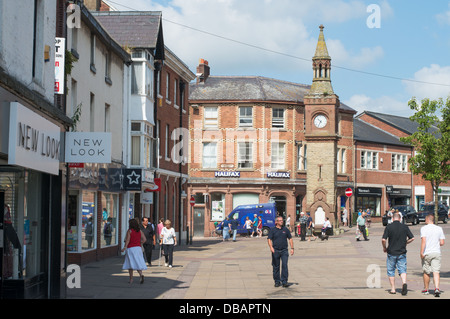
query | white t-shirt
[327, 224]
[168, 236]
[433, 235]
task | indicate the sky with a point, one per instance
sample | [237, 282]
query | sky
[383, 52]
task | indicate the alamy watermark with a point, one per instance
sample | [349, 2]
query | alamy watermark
[374, 19]
[73, 276]
[374, 279]
[73, 16]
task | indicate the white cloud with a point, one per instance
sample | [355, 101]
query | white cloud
[439, 75]
[444, 17]
[279, 26]
[383, 104]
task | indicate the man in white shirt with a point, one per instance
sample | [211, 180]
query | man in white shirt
[430, 252]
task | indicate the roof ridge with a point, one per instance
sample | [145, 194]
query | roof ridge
[258, 77]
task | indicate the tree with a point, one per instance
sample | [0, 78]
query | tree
[431, 143]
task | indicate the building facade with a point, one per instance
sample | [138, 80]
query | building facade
[97, 97]
[32, 176]
[172, 135]
[382, 176]
[257, 140]
[398, 126]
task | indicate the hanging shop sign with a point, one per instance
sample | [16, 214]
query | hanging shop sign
[88, 147]
[60, 51]
[34, 142]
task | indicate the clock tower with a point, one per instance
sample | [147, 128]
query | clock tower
[321, 135]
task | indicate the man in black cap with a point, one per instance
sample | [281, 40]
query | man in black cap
[277, 240]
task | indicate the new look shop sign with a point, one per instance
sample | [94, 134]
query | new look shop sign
[34, 142]
[88, 147]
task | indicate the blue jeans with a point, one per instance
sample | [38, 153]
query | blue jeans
[280, 257]
[234, 234]
[226, 233]
[394, 262]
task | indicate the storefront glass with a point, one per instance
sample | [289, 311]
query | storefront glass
[23, 224]
[217, 207]
[88, 220]
[371, 203]
[110, 212]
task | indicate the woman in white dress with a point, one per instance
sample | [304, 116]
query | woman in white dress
[134, 258]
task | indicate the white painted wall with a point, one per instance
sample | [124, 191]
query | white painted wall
[88, 82]
[16, 43]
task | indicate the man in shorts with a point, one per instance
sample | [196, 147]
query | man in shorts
[430, 252]
[399, 235]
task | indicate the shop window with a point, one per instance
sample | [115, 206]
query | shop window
[371, 203]
[217, 207]
[88, 220]
[110, 212]
[22, 225]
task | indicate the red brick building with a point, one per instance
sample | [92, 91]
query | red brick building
[382, 176]
[256, 140]
[421, 190]
[173, 77]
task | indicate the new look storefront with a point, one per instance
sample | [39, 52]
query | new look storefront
[32, 201]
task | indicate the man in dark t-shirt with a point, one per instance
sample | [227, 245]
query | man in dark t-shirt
[149, 233]
[277, 240]
[398, 235]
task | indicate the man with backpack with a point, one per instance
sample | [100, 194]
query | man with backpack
[107, 231]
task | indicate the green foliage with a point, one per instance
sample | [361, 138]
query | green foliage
[76, 117]
[431, 141]
[69, 60]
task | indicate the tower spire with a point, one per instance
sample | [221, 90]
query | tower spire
[322, 67]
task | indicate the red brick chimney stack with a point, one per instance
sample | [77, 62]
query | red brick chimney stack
[202, 71]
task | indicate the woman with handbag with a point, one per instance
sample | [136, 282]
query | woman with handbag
[134, 258]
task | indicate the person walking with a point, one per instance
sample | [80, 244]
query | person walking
[344, 217]
[150, 242]
[310, 227]
[399, 235]
[302, 222]
[234, 224]
[432, 238]
[278, 243]
[288, 223]
[248, 226]
[259, 227]
[134, 259]
[168, 240]
[255, 225]
[226, 229]
[361, 222]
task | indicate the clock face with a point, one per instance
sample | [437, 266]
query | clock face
[320, 121]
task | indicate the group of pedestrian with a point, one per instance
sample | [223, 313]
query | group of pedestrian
[140, 241]
[253, 227]
[398, 235]
[306, 227]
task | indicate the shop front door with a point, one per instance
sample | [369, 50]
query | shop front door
[199, 222]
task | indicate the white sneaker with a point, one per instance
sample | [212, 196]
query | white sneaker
[166, 264]
[170, 266]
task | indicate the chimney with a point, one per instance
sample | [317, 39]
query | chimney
[202, 71]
